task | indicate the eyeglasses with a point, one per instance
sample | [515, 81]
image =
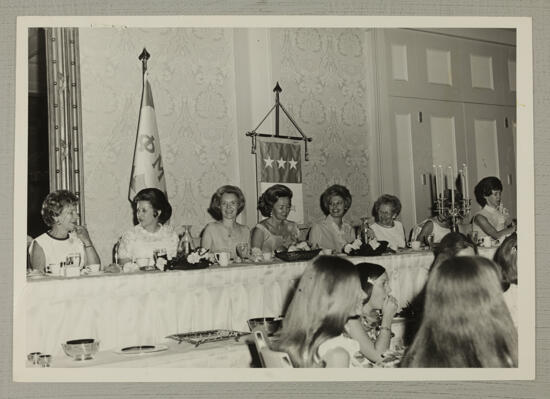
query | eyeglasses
[232, 204]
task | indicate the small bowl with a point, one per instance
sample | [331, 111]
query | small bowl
[81, 349]
[270, 324]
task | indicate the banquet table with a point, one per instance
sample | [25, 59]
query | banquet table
[144, 307]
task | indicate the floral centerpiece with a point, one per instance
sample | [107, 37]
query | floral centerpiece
[197, 259]
[372, 248]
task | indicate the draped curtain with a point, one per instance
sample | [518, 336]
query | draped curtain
[65, 112]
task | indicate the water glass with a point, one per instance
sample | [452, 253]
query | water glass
[243, 251]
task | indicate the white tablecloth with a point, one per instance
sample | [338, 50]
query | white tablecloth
[138, 309]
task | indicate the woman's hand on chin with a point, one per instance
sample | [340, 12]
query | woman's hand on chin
[82, 234]
[389, 308]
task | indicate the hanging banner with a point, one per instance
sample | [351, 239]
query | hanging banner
[281, 163]
[147, 168]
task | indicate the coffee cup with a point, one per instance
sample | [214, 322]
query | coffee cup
[487, 242]
[53, 268]
[415, 245]
[93, 268]
[267, 256]
[143, 262]
[222, 258]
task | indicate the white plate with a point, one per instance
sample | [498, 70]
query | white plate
[141, 349]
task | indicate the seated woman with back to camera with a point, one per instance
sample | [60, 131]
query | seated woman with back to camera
[466, 322]
[225, 233]
[65, 236]
[328, 294]
[275, 232]
[333, 232]
[506, 258]
[137, 245]
[386, 209]
[493, 219]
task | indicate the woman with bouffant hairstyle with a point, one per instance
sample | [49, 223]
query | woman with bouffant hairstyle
[225, 233]
[333, 232]
[466, 322]
[275, 232]
[328, 294]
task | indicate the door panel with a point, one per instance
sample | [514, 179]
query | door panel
[490, 134]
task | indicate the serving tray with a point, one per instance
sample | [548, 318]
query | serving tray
[200, 337]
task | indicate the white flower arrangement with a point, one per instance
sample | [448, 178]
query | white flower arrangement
[199, 254]
[355, 245]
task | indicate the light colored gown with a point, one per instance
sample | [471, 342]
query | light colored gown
[327, 235]
[221, 240]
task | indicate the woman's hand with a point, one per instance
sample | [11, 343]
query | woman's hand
[389, 308]
[83, 234]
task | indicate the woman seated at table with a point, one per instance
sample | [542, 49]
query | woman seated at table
[372, 329]
[333, 232]
[506, 258]
[438, 226]
[65, 236]
[225, 233]
[493, 219]
[151, 211]
[466, 322]
[275, 232]
[386, 209]
[328, 294]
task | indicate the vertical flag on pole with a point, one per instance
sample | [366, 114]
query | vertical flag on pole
[281, 163]
[147, 168]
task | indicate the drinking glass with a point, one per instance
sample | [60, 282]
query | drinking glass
[243, 250]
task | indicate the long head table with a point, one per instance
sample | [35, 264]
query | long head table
[143, 308]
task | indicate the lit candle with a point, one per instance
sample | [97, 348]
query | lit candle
[451, 186]
[462, 183]
[442, 181]
[466, 183]
[434, 182]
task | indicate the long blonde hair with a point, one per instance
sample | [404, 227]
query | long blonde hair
[327, 294]
[466, 322]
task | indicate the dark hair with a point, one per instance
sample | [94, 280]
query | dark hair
[270, 197]
[215, 202]
[386, 199]
[369, 271]
[54, 203]
[452, 243]
[506, 258]
[158, 202]
[466, 322]
[485, 188]
[335, 189]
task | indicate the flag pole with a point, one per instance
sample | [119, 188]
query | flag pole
[143, 57]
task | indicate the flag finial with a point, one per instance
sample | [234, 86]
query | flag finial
[144, 56]
[277, 88]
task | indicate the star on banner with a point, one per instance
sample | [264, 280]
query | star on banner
[293, 163]
[281, 163]
[268, 162]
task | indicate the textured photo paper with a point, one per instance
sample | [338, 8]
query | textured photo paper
[134, 33]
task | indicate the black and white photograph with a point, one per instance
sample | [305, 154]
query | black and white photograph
[251, 193]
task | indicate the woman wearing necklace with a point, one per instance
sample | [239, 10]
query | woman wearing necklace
[386, 209]
[151, 210]
[225, 233]
[275, 232]
[333, 232]
[373, 327]
[65, 236]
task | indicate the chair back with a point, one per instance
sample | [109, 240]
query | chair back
[268, 357]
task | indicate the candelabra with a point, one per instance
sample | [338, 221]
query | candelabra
[454, 211]
[449, 203]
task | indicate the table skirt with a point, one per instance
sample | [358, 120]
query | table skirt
[143, 308]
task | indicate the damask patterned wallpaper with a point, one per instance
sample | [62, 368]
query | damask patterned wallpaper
[324, 81]
[322, 72]
[193, 84]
